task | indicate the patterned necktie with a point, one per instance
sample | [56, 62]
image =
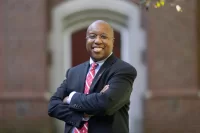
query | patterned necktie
[88, 82]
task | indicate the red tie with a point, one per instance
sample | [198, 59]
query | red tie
[88, 82]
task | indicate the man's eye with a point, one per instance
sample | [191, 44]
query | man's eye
[92, 36]
[104, 37]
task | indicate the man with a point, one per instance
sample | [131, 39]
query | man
[95, 96]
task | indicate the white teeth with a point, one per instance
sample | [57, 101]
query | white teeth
[97, 49]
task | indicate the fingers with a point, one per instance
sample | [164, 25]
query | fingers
[105, 88]
[86, 115]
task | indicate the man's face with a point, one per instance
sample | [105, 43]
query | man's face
[99, 41]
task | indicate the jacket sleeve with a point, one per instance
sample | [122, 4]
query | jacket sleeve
[117, 95]
[60, 110]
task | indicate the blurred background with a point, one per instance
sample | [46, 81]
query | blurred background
[41, 39]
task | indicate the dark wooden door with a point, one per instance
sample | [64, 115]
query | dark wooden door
[79, 53]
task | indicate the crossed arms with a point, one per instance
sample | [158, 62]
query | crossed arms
[106, 103]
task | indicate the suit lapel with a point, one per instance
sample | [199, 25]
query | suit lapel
[104, 67]
[82, 76]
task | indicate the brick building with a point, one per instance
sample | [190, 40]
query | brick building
[40, 39]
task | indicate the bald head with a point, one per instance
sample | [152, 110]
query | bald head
[104, 23]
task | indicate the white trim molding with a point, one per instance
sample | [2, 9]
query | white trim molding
[124, 17]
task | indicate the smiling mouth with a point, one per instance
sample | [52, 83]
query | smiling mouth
[95, 49]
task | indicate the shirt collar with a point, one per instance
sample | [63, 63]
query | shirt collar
[100, 63]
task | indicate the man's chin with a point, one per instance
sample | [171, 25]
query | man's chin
[97, 58]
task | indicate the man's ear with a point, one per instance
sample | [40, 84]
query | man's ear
[113, 42]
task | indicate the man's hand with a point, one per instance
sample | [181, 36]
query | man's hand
[86, 115]
[65, 99]
[104, 89]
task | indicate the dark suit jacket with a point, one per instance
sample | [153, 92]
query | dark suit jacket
[109, 109]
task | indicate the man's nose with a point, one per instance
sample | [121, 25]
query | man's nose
[98, 40]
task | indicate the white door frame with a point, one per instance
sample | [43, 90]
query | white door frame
[124, 16]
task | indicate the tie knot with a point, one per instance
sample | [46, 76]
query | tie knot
[94, 65]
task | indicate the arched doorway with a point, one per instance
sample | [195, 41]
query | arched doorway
[124, 17]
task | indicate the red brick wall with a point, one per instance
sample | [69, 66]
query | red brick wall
[198, 42]
[173, 70]
[24, 46]
[2, 6]
[173, 44]
[172, 115]
[23, 31]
